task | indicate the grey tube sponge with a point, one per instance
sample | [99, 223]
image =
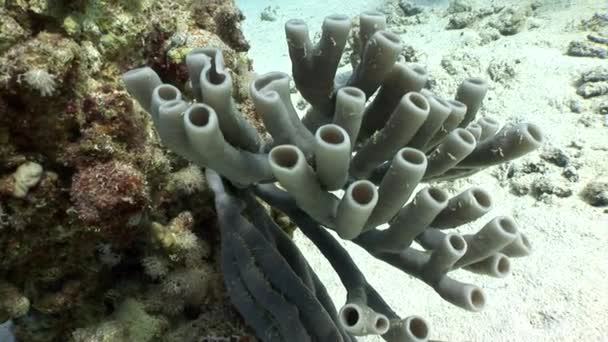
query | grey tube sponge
[520, 247]
[162, 94]
[496, 265]
[274, 234]
[294, 174]
[409, 222]
[439, 110]
[456, 116]
[270, 95]
[212, 84]
[332, 156]
[140, 83]
[354, 209]
[172, 131]
[314, 68]
[405, 172]
[466, 207]
[453, 149]
[202, 129]
[471, 92]
[377, 153]
[475, 129]
[401, 80]
[419, 264]
[509, 143]
[358, 290]
[493, 237]
[350, 103]
[360, 320]
[379, 55]
[273, 292]
[369, 23]
[407, 118]
[489, 127]
[410, 329]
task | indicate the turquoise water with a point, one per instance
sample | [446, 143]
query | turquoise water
[264, 35]
[5, 333]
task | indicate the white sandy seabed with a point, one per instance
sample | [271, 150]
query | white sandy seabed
[559, 293]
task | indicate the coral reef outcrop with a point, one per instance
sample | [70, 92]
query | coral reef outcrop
[100, 227]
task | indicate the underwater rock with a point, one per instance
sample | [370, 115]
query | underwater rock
[223, 18]
[592, 89]
[571, 174]
[460, 20]
[597, 38]
[586, 49]
[112, 195]
[409, 8]
[269, 14]
[502, 70]
[595, 75]
[461, 63]
[593, 84]
[603, 108]
[549, 176]
[402, 13]
[596, 44]
[597, 23]
[459, 6]
[543, 186]
[10, 31]
[40, 66]
[503, 20]
[130, 323]
[511, 20]
[409, 54]
[596, 193]
[555, 156]
[576, 106]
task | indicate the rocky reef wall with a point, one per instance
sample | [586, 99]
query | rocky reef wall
[104, 235]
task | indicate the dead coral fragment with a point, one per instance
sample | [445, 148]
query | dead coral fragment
[22, 180]
[109, 195]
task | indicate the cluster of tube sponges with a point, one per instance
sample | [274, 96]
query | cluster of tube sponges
[376, 134]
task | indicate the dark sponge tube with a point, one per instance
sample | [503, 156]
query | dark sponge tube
[401, 80]
[403, 124]
[314, 68]
[471, 92]
[380, 54]
[509, 143]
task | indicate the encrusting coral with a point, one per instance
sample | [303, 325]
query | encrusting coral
[376, 134]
